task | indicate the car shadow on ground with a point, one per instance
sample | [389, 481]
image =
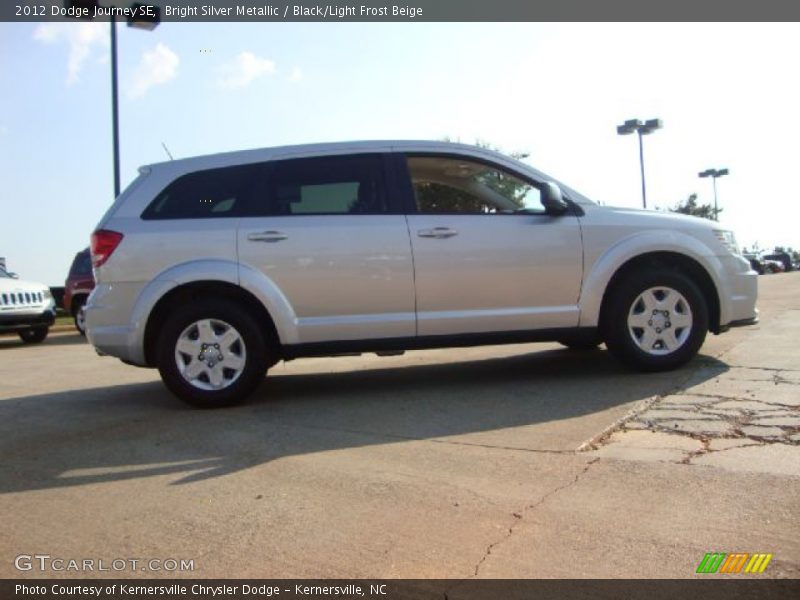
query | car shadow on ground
[139, 430]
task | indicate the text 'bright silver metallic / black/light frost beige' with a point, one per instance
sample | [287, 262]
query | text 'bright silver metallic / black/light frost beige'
[214, 268]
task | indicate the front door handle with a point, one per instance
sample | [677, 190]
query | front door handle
[267, 236]
[437, 232]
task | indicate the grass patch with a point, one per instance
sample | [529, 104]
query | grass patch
[64, 320]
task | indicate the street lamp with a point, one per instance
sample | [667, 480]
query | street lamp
[142, 19]
[642, 128]
[714, 174]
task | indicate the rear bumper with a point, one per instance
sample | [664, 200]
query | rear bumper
[108, 322]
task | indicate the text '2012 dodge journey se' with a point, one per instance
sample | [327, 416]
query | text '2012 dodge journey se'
[214, 268]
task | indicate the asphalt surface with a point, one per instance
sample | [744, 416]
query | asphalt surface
[505, 461]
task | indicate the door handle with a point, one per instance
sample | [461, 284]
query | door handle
[437, 232]
[267, 236]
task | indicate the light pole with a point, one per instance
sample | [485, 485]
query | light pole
[641, 128]
[714, 174]
[145, 17]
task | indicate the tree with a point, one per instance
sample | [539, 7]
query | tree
[691, 207]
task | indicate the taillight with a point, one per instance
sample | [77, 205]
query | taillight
[104, 242]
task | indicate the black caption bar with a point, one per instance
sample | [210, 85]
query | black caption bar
[401, 10]
[394, 589]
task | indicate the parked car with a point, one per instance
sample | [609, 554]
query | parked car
[783, 258]
[212, 269]
[756, 263]
[773, 266]
[26, 308]
[77, 287]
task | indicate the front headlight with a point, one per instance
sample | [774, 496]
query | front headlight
[47, 294]
[727, 239]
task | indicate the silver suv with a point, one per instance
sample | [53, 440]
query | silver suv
[215, 268]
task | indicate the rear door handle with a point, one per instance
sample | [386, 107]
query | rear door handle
[437, 232]
[267, 236]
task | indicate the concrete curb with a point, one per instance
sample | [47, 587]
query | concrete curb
[593, 442]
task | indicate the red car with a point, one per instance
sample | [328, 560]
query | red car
[79, 283]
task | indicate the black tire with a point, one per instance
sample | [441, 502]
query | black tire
[34, 335]
[626, 342]
[252, 347]
[78, 315]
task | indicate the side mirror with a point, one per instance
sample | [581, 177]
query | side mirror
[13, 276]
[553, 200]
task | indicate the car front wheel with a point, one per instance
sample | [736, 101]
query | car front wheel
[34, 335]
[657, 320]
[212, 354]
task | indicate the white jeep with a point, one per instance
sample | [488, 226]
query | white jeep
[26, 308]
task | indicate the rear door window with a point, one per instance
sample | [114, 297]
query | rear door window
[329, 185]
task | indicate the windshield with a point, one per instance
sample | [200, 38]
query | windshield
[4, 273]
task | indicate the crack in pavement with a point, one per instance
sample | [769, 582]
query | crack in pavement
[721, 410]
[723, 397]
[758, 368]
[519, 515]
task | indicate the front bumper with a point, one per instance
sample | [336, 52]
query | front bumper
[740, 323]
[744, 322]
[11, 322]
[738, 293]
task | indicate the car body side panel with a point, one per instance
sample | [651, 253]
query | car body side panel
[496, 273]
[117, 313]
[150, 248]
[608, 245]
[341, 276]
[153, 257]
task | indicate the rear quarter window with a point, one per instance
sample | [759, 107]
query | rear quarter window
[209, 194]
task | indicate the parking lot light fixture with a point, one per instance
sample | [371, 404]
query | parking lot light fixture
[641, 128]
[146, 17]
[714, 174]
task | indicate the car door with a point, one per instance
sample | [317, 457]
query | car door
[329, 234]
[487, 256]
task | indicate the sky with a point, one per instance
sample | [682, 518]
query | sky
[727, 94]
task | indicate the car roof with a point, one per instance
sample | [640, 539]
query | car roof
[324, 149]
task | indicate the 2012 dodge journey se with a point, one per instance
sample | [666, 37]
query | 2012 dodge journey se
[214, 268]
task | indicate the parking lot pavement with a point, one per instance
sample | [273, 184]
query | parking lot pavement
[743, 417]
[447, 463]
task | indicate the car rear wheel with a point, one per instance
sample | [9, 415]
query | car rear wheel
[657, 320]
[212, 354]
[34, 335]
